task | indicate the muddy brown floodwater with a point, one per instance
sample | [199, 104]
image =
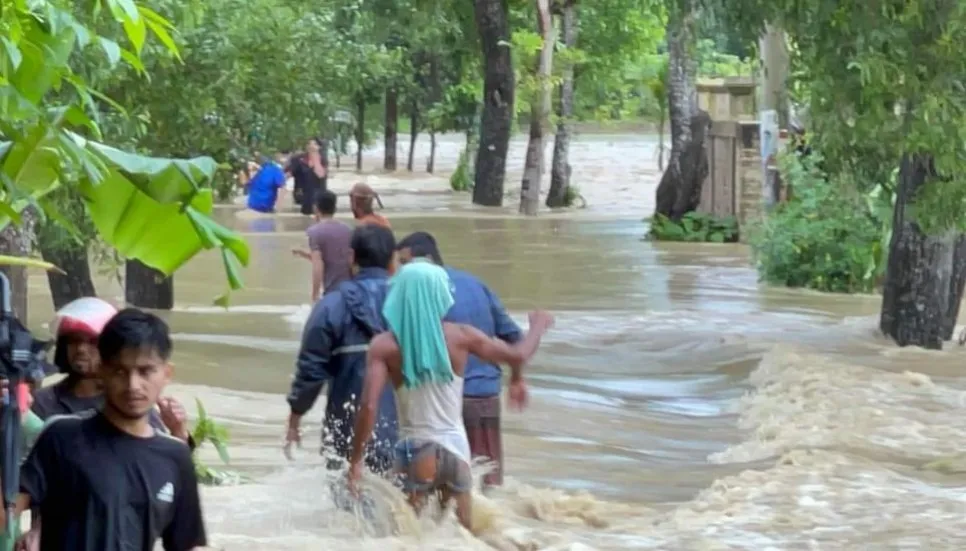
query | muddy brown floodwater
[677, 404]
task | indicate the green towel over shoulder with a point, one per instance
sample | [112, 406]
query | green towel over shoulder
[420, 294]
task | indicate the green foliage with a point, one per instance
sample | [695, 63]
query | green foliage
[695, 227]
[46, 110]
[224, 186]
[572, 197]
[881, 80]
[208, 431]
[525, 47]
[713, 63]
[617, 41]
[829, 236]
[461, 179]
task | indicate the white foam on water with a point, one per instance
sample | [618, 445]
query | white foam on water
[853, 459]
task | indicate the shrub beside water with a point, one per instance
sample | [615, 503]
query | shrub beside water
[461, 179]
[695, 227]
[828, 236]
[208, 431]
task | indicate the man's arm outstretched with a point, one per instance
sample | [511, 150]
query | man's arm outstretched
[496, 351]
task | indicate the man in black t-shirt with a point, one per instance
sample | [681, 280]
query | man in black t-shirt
[107, 480]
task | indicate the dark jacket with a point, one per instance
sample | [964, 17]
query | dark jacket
[475, 305]
[334, 345]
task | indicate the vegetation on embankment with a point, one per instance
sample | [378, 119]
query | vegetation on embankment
[207, 431]
[694, 227]
[829, 236]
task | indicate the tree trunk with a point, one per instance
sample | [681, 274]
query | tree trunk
[146, 287]
[360, 130]
[77, 282]
[774, 107]
[682, 180]
[956, 286]
[498, 89]
[431, 163]
[471, 147]
[413, 134]
[661, 123]
[925, 274]
[774, 71]
[390, 134]
[560, 166]
[18, 241]
[539, 116]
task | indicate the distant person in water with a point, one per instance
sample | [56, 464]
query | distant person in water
[476, 305]
[78, 327]
[107, 479]
[329, 249]
[424, 359]
[361, 199]
[310, 171]
[268, 185]
[333, 353]
[245, 174]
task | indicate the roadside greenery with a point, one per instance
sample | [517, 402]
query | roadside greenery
[207, 431]
[829, 236]
[51, 118]
[144, 111]
[695, 227]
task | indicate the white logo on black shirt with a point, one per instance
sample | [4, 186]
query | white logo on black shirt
[166, 493]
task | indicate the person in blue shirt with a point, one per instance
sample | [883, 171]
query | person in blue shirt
[264, 187]
[477, 306]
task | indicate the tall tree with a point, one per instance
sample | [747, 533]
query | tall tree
[539, 113]
[560, 165]
[680, 188]
[883, 86]
[389, 130]
[498, 96]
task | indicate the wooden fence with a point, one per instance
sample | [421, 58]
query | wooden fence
[733, 185]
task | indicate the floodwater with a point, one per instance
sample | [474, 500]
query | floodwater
[676, 405]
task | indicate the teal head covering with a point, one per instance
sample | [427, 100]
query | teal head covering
[420, 294]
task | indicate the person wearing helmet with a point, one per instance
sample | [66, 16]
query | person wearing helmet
[77, 327]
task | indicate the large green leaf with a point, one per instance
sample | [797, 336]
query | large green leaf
[156, 211]
[152, 209]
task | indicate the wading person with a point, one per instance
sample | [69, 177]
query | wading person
[361, 199]
[424, 359]
[333, 352]
[329, 247]
[78, 326]
[474, 304]
[310, 174]
[268, 184]
[107, 480]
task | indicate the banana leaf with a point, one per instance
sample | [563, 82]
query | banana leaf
[151, 209]
[156, 210]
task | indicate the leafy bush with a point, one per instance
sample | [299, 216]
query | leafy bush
[695, 227]
[461, 179]
[224, 186]
[207, 430]
[828, 236]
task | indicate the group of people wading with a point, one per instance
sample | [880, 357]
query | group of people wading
[411, 361]
[409, 349]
